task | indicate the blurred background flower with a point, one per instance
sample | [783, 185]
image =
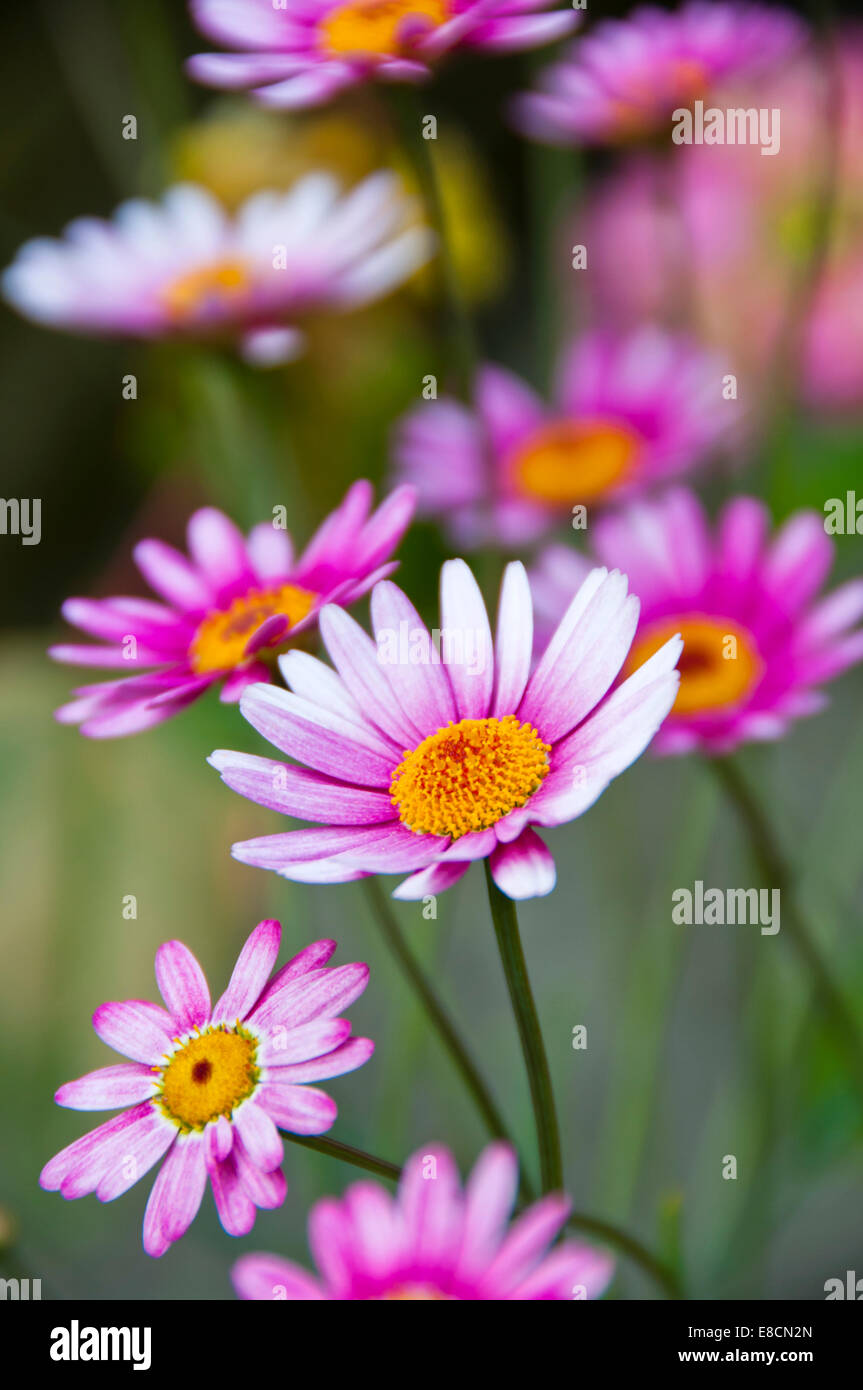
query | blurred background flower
[229, 609]
[434, 1241]
[701, 1043]
[759, 638]
[182, 268]
[321, 47]
[623, 81]
[751, 250]
[629, 412]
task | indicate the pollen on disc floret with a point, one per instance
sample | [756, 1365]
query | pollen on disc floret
[469, 775]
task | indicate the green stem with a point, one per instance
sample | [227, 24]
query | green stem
[773, 865]
[533, 1049]
[460, 326]
[348, 1154]
[391, 933]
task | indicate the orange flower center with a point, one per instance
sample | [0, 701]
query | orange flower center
[215, 287]
[636, 113]
[571, 461]
[719, 665]
[469, 775]
[415, 1292]
[220, 641]
[207, 1077]
[377, 27]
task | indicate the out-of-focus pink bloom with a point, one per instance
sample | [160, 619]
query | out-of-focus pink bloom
[434, 1242]
[306, 53]
[758, 638]
[228, 609]
[723, 236]
[629, 411]
[208, 1087]
[184, 267]
[627, 76]
[420, 758]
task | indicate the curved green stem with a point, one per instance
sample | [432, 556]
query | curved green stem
[773, 865]
[358, 1158]
[533, 1048]
[419, 151]
[605, 1231]
[389, 928]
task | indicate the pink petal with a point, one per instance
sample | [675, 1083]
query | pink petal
[524, 868]
[259, 1135]
[321, 994]
[176, 1196]
[265, 1277]
[423, 689]
[513, 641]
[182, 985]
[351, 1055]
[464, 617]
[218, 549]
[250, 974]
[428, 882]
[108, 1088]
[171, 575]
[281, 1046]
[299, 1109]
[236, 1209]
[136, 1028]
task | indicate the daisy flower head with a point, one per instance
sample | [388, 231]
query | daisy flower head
[186, 268]
[226, 610]
[434, 1241]
[741, 229]
[759, 637]
[624, 80]
[209, 1086]
[308, 51]
[629, 410]
[418, 756]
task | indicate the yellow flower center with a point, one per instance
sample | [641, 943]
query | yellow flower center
[719, 665]
[208, 1076]
[572, 461]
[220, 641]
[215, 287]
[415, 1292]
[376, 27]
[469, 775]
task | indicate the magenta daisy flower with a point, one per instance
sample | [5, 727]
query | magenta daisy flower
[434, 1241]
[627, 77]
[307, 53]
[758, 639]
[421, 756]
[228, 609]
[208, 1088]
[628, 411]
[187, 268]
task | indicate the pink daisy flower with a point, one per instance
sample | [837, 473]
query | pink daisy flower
[628, 411]
[421, 757]
[306, 53]
[434, 1241]
[208, 1088]
[758, 639]
[627, 77]
[228, 608]
[734, 228]
[187, 268]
